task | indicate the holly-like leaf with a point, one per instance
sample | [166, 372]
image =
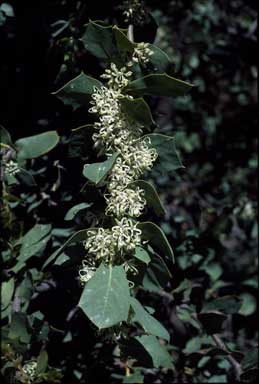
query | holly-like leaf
[99, 41]
[151, 196]
[158, 352]
[71, 214]
[138, 110]
[168, 158]
[159, 60]
[98, 171]
[38, 145]
[157, 238]
[106, 297]
[158, 85]
[78, 91]
[148, 322]
[124, 45]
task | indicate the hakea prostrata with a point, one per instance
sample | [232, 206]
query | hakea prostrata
[117, 133]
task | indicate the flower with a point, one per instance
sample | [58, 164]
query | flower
[11, 168]
[100, 243]
[126, 235]
[142, 53]
[87, 271]
[117, 78]
[126, 202]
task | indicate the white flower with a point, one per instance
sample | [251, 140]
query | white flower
[120, 176]
[30, 370]
[117, 78]
[87, 271]
[126, 235]
[11, 168]
[127, 202]
[142, 53]
[100, 243]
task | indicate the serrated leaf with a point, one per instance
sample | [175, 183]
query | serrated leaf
[156, 237]
[159, 60]
[99, 40]
[106, 297]
[75, 238]
[227, 304]
[151, 196]
[5, 137]
[158, 85]
[124, 45]
[168, 158]
[138, 110]
[70, 215]
[98, 171]
[142, 255]
[78, 90]
[158, 352]
[148, 322]
[35, 146]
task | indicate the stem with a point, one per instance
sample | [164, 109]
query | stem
[236, 366]
[131, 33]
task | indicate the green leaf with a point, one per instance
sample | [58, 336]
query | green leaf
[38, 145]
[151, 196]
[142, 255]
[33, 243]
[25, 177]
[251, 359]
[138, 110]
[7, 291]
[156, 237]
[42, 363]
[148, 322]
[158, 85]
[70, 215]
[212, 321]
[249, 304]
[98, 171]
[158, 352]
[80, 141]
[135, 378]
[106, 297]
[78, 90]
[227, 304]
[99, 40]
[19, 328]
[168, 158]
[157, 274]
[124, 45]
[75, 238]
[5, 136]
[159, 60]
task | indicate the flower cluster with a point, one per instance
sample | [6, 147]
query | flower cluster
[29, 369]
[117, 133]
[142, 53]
[11, 168]
[134, 11]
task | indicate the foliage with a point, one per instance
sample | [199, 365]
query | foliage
[191, 315]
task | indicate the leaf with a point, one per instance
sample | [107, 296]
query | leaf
[38, 145]
[70, 215]
[212, 321]
[25, 177]
[134, 378]
[99, 40]
[158, 85]
[168, 158]
[80, 141]
[106, 297]
[159, 60]
[251, 359]
[142, 255]
[138, 110]
[249, 304]
[124, 45]
[156, 237]
[148, 322]
[19, 328]
[75, 238]
[78, 90]
[151, 196]
[34, 242]
[7, 291]
[98, 171]
[227, 304]
[158, 352]
[157, 274]
[42, 363]
[5, 136]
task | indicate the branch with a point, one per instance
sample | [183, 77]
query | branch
[131, 33]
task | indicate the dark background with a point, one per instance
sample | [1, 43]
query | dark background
[211, 204]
